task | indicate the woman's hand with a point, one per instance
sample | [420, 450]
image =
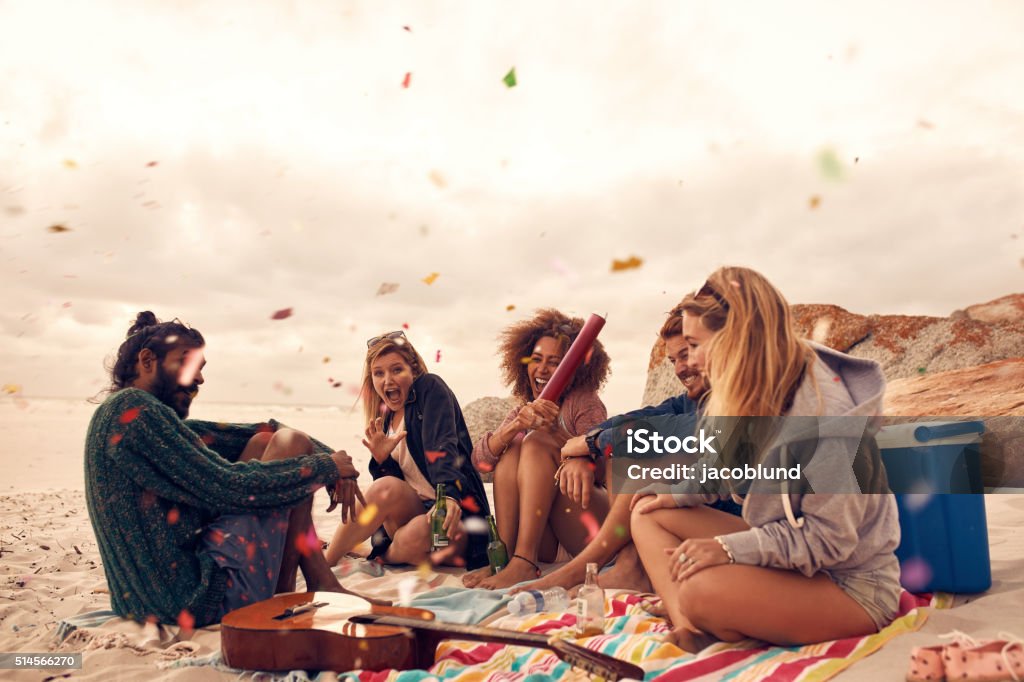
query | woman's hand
[576, 479]
[695, 555]
[452, 516]
[343, 461]
[539, 414]
[645, 504]
[380, 444]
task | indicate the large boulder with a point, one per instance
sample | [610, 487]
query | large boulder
[992, 392]
[486, 414]
[1006, 309]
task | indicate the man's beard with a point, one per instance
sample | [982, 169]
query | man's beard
[170, 393]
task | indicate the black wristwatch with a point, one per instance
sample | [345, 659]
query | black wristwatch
[591, 440]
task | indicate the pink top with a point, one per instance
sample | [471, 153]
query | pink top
[579, 413]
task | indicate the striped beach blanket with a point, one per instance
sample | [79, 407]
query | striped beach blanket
[633, 635]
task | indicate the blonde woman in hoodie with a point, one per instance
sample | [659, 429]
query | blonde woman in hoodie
[798, 567]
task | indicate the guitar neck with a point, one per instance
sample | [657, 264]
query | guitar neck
[469, 632]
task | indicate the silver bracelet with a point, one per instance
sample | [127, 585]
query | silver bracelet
[728, 551]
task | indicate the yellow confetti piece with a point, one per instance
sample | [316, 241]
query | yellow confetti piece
[439, 180]
[525, 361]
[510, 307]
[326, 359]
[814, 202]
[424, 570]
[431, 278]
[11, 389]
[70, 164]
[629, 264]
[364, 645]
[367, 516]
[56, 229]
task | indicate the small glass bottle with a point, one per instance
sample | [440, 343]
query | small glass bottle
[438, 536]
[590, 606]
[497, 552]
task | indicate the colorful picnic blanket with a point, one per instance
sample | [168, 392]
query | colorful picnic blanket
[633, 635]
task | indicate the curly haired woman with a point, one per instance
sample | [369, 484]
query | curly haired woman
[534, 515]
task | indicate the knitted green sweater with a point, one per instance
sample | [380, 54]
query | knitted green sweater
[153, 481]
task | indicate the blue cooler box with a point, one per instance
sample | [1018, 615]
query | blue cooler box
[935, 469]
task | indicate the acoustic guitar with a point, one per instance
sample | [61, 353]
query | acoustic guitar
[341, 632]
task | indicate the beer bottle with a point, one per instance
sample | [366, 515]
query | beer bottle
[438, 536]
[590, 606]
[497, 552]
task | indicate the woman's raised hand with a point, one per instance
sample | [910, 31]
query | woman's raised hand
[576, 479]
[379, 443]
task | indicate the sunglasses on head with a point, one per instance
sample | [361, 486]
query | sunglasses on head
[708, 290]
[399, 334]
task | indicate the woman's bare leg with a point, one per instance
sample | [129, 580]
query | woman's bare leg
[666, 528]
[733, 602]
[506, 507]
[393, 504]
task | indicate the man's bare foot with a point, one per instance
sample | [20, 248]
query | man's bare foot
[688, 640]
[473, 578]
[517, 570]
[564, 576]
[627, 573]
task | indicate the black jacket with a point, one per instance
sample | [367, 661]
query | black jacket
[435, 425]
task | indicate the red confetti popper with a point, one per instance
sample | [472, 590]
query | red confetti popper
[573, 359]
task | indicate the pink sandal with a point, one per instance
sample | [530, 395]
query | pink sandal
[966, 659]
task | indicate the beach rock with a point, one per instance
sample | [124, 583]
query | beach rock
[486, 414]
[1006, 309]
[662, 382]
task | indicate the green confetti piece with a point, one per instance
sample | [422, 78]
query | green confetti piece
[921, 370]
[620, 531]
[830, 165]
[510, 78]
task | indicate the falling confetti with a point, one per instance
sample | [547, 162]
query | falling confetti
[510, 78]
[620, 531]
[475, 525]
[282, 314]
[470, 504]
[629, 264]
[189, 369]
[814, 202]
[510, 308]
[406, 28]
[368, 514]
[70, 164]
[821, 329]
[921, 370]
[11, 389]
[829, 165]
[151, 164]
[437, 358]
[186, 621]
[407, 79]
[927, 125]
[129, 415]
[326, 359]
[405, 325]
[281, 388]
[387, 288]
[915, 573]
[116, 438]
[57, 229]
[172, 516]
[591, 524]
[431, 278]
[434, 455]
[589, 356]
[439, 180]
[526, 360]
[308, 542]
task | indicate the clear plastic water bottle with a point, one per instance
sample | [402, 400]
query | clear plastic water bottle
[535, 601]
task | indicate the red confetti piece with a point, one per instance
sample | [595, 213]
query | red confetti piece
[308, 543]
[437, 358]
[405, 325]
[207, 439]
[407, 79]
[216, 536]
[186, 621]
[589, 355]
[282, 314]
[406, 28]
[173, 516]
[305, 471]
[470, 505]
[608, 450]
[151, 164]
[129, 415]
[250, 551]
[116, 438]
[591, 524]
[66, 304]
[434, 455]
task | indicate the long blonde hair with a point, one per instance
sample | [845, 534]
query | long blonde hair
[400, 345]
[757, 359]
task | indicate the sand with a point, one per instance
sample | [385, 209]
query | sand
[50, 567]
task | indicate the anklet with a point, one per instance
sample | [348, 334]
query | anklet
[535, 566]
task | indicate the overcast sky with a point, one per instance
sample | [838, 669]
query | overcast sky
[221, 161]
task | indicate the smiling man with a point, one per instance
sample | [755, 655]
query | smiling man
[195, 519]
